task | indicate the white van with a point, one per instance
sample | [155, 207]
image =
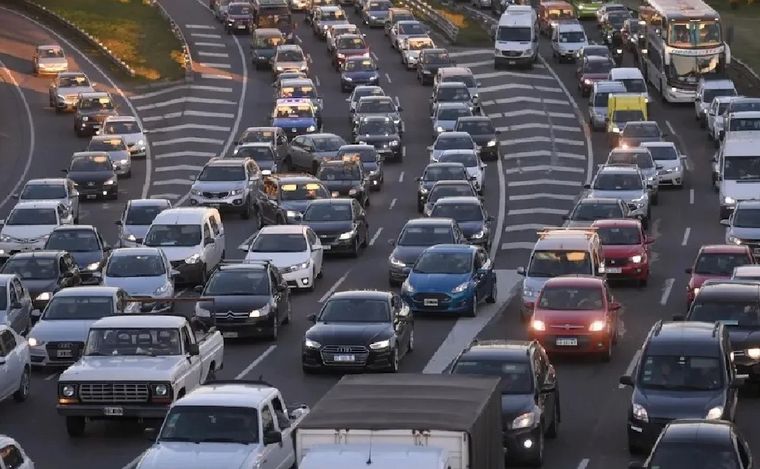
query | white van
[632, 79]
[519, 10]
[568, 38]
[192, 239]
[739, 177]
[516, 41]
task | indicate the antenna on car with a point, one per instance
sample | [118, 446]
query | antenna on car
[369, 456]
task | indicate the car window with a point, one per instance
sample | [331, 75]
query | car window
[11, 457]
[7, 342]
[206, 232]
[18, 288]
[267, 422]
[214, 226]
[312, 237]
[281, 413]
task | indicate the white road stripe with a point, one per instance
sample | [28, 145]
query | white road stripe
[198, 26]
[465, 53]
[375, 236]
[531, 99]
[51, 376]
[256, 362]
[184, 100]
[584, 463]
[545, 168]
[210, 128]
[486, 76]
[206, 35]
[542, 195]
[316, 81]
[308, 58]
[540, 182]
[666, 291]
[533, 112]
[213, 76]
[393, 204]
[375, 57]
[175, 141]
[333, 288]
[401, 177]
[519, 245]
[388, 78]
[516, 86]
[686, 234]
[173, 182]
[185, 154]
[225, 115]
[541, 139]
[210, 44]
[133, 463]
[691, 196]
[218, 89]
[524, 227]
[544, 153]
[170, 115]
[215, 65]
[539, 125]
[537, 211]
[170, 196]
[476, 64]
[179, 167]
[631, 366]
[214, 54]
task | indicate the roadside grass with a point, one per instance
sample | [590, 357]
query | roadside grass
[132, 29]
[471, 33]
[745, 20]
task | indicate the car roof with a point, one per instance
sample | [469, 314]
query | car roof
[98, 290]
[698, 432]
[295, 178]
[596, 58]
[148, 202]
[453, 248]
[663, 143]
[621, 169]
[452, 105]
[585, 281]
[76, 228]
[94, 94]
[46, 182]
[609, 85]
[283, 229]
[454, 71]
[37, 204]
[105, 137]
[451, 84]
[722, 249]
[446, 164]
[498, 349]
[748, 204]
[72, 74]
[729, 290]
[570, 25]
[46, 254]
[182, 215]
[141, 251]
[684, 338]
[616, 223]
[245, 266]
[455, 134]
[429, 221]
[267, 32]
[289, 47]
[139, 321]
[598, 200]
[366, 294]
[334, 201]
[719, 83]
[747, 114]
[625, 73]
[240, 394]
[121, 119]
[296, 81]
[226, 162]
[516, 20]
[459, 199]
[748, 269]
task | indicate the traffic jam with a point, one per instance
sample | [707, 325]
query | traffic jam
[139, 329]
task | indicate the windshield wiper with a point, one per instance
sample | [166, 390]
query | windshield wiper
[178, 438]
[224, 440]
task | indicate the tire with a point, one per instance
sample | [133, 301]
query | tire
[606, 356]
[211, 375]
[553, 430]
[420, 207]
[633, 448]
[536, 459]
[314, 167]
[365, 241]
[275, 329]
[473, 311]
[393, 367]
[313, 281]
[492, 296]
[22, 393]
[259, 220]
[204, 274]
[355, 249]
[75, 426]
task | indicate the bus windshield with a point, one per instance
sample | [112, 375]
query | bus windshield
[688, 69]
[696, 33]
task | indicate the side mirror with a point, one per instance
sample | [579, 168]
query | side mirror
[490, 218]
[312, 317]
[429, 148]
[521, 271]
[689, 270]
[193, 350]
[418, 178]
[725, 222]
[678, 317]
[119, 223]
[68, 274]
[626, 380]
[174, 273]
[15, 196]
[208, 241]
[391, 242]
[548, 387]
[198, 288]
[272, 437]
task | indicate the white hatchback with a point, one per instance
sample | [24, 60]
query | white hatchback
[29, 225]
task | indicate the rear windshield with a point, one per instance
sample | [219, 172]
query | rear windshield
[556, 263]
[682, 373]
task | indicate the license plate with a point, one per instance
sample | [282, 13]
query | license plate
[241, 26]
[567, 342]
[230, 335]
[614, 270]
[92, 196]
[430, 302]
[511, 62]
[345, 358]
[113, 411]
[326, 247]
[213, 205]
[64, 353]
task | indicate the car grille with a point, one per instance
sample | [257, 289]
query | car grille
[215, 195]
[113, 392]
[441, 297]
[327, 239]
[176, 264]
[616, 262]
[511, 53]
[329, 352]
[566, 327]
[64, 351]
[100, 119]
[231, 316]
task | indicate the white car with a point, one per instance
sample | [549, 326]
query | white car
[15, 367]
[142, 272]
[137, 218]
[29, 225]
[469, 158]
[294, 249]
[716, 116]
[567, 39]
[669, 162]
[128, 129]
[12, 451]
[50, 60]
[60, 189]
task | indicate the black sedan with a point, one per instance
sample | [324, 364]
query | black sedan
[345, 179]
[435, 172]
[341, 224]
[381, 133]
[92, 110]
[484, 134]
[470, 215]
[359, 330]
[93, 175]
[85, 245]
[428, 63]
[249, 300]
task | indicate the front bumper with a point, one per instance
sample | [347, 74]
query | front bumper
[569, 55]
[643, 435]
[122, 169]
[129, 411]
[232, 202]
[351, 83]
[397, 273]
[673, 178]
[515, 442]
[367, 360]
[375, 21]
[303, 278]
[96, 191]
[333, 243]
[89, 126]
[437, 302]
[248, 327]
[66, 104]
[675, 95]
[506, 58]
[293, 132]
[238, 26]
[10, 248]
[136, 150]
[624, 268]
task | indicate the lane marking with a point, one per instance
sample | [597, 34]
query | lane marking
[584, 463]
[666, 291]
[476, 64]
[375, 57]
[184, 100]
[168, 195]
[537, 153]
[198, 26]
[393, 204]
[210, 44]
[691, 196]
[388, 78]
[536, 182]
[403, 151]
[171, 89]
[256, 362]
[214, 54]
[133, 463]
[486, 76]
[308, 58]
[543, 195]
[215, 65]
[531, 99]
[501, 218]
[519, 245]
[225, 115]
[174, 182]
[537, 125]
[375, 236]
[535, 112]
[334, 287]
[563, 141]
[401, 177]
[179, 167]
[525, 227]
[465, 53]
[538, 211]
[686, 233]
[32, 135]
[172, 128]
[187, 140]
[548, 168]
[212, 76]
[316, 80]
[631, 366]
[206, 35]
[185, 154]
[51, 376]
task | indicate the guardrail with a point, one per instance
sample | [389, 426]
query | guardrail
[84, 34]
[187, 58]
[430, 15]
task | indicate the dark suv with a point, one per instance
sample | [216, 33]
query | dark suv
[92, 110]
[684, 371]
[530, 403]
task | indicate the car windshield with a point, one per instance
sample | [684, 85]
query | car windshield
[617, 182]
[332, 15]
[426, 236]
[617, 20]
[349, 42]
[112, 144]
[121, 128]
[694, 455]
[51, 53]
[287, 111]
[446, 142]
[453, 113]
[432, 262]
[258, 153]
[340, 172]
[31, 268]
[279, 242]
[741, 124]
[741, 168]
[355, 310]
[73, 241]
[328, 212]
[458, 212]
[514, 34]
[367, 91]
[721, 264]
[173, 235]
[419, 44]
[376, 127]
[91, 164]
[596, 52]
[598, 66]
[73, 82]
[453, 93]
[687, 373]
[32, 216]
[367, 155]
[592, 211]
[476, 127]
[447, 173]
[359, 65]
[557, 13]
[328, 143]
[269, 42]
[732, 313]
[136, 265]
[556, 263]
[222, 173]
[308, 191]
[78, 307]
[619, 235]
[746, 218]
[627, 116]
[516, 377]
[238, 9]
[238, 282]
[257, 136]
[641, 130]
[640, 158]
[437, 57]
[94, 104]
[634, 85]
[572, 37]
[574, 299]
[115, 342]
[710, 93]
[468, 159]
[379, 6]
[411, 28]
[143, 214]
[43, 192]
[450, 191]
[376, 106]
[290, 55]
[211, 424]
[666, 152]
[298, 91]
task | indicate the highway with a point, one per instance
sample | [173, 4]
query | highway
[548, 154]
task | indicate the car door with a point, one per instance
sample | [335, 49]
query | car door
[217, 232]
[295, 151]
[281, 145]
[207, 247]
[400, 323]
[6, 378]
[745, 455]
[194, 365]
[13, 312]
[73, 199]
[270, 206]
[12, 457]
[543, 399]
[481, 273]
[275, 454]
[315, 246]
[25, 302]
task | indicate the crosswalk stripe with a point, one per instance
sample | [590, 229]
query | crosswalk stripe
[543, 195]
[214, 76]
[538, 125]
[544, 153]
[543, 182]
[533, 112]
[215, 65]
[173, 128]
[538, 211]
[541, 139]
[153, 94]
[173, 182]
[210, 44]
[179, 167]
[169, 196]
[198, 26]
[183, 100]
[524, 227]
[206, 35]
[184, 154]
[545, 168]
[213, 54]
[518, 245]
[485, 76]
[175, 141]
[515, 86]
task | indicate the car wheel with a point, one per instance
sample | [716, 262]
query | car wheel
[366, 201]
[553, 430]
[492, 297]
[420, 207]
[393, 367]
[473, 311]
[23, 388]
[355, 248]
[210, 376]
[536, 458]
[365, 241]
[275, 328]
[313, 280]
[410, 345]
[75, 426]
[314, 167]
[606, 355]
[633, 448]
[246, 213]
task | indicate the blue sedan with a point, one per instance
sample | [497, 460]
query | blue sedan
[358, 71]
[450, 278]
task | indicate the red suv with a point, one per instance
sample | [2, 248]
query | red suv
[576, 314]
[715, 261]
[625, 245]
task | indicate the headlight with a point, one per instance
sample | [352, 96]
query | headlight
[526, 420]
[423, 191]
[68, 390]
[715, 413]
[636, 259]
[729, 200]
[479, 234]
[341, 56]
[304, 68]
[162, 289]
[33, 342]
[236, 191]
[640, 413]
[348, 78]
[334, 194]
[439, 129]
[110, 182]
[347, 235]
[131, 237]
[619, 51]
[492, 143]
[597, 326]
[587, 81]
[93, 266]
[292, 214]
[528, 292]
[461, 287]
[353, 191]
[259, 313]
[194, 259]
[45, 296]
[5, 238]
[734, 240]
[308, 343]
[646, 99]
[380, 345]
[538, 325]
[140, 143]
[85, 118]
[615, 130]
[278, 68]
[394, 143]
[311, 128]
[640, 201]
[753, 353]
[696, 290]
[297, 267]
[123, 162]
[407, 286]
[396, 262]
[161, 390]
[202, 312]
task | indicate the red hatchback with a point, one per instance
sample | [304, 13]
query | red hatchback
[715, 261]
[625, 245]
[576, 314]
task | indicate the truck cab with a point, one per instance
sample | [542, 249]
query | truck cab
[621, 109]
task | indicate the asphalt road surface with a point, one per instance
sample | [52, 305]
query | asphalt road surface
[547, 155]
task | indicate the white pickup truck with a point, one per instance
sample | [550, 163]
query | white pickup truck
[227, 425]
[135, 367]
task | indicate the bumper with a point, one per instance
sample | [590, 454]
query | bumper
[65, 104]
[437, 302]
[515, 442]
[489, 153]
[123, 168]
[135, 151]
[234, 202]
[583, 11]
[188, 273]
[376, 22]
[504, 60]
[238, 26]
[746, 366]
[89, 126]
[399, 274]
[335, 245]
[674, 178]
[299, 279]
[628, 271]
[293, 132]
[674, 95]
[567, 55]
[9, 249]
[373, 360]
[96, 192]
[251, 327]
[351, 83]
[128, 411]
[90, 277]
[572, 343]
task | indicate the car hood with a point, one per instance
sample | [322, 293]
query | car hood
[293, 122]
[131, 139]
[218, 186]
[349, 333]
[627, 196]
[636, 141]
[618, 251]
[27, 231]
[572, 317]
[436, 282]
[447, 125]
[52, 61]
[178, 253]
[238, 17]
[740, 190]
[745, 233]
[223, 304]
[469, 228]
[295, 205]
[378, 13]
[81, 177]
[572, 46]
[61, 330]
[352, 52]
[408, 254]
[668, 164]
[377, 138]
[482, 139]
[513, 405]
[75, 90]
[535, 283]
[136, 286]
[360, 115]
[667, 404]
[290, 65]
[85, 258]
[360, 74]
[97, 112]
[279, 259]
[330, 227]
[188, 455]
[38, 286]
[127, 367]
[578, 223]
